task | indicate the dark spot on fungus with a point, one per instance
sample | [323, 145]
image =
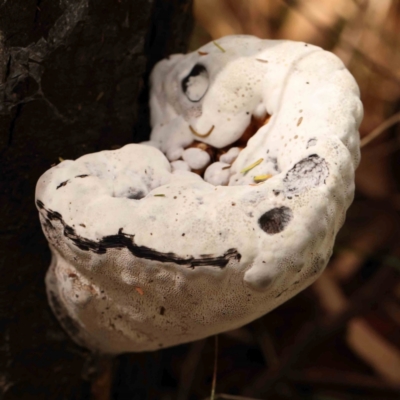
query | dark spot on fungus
[275, 220]
[62, 184]
[299, 121]
[81, 176]
[274, 161]
[162, 310]
[306, 174]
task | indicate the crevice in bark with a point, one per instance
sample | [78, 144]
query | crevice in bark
[11, 129]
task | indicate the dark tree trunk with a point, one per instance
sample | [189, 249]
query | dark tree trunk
[73, 80]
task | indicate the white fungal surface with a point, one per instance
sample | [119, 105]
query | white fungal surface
[217, 174]
[180, 165]
[147, 254]
[196, 158]
[230, 156]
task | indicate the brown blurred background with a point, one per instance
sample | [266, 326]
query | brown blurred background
[340, 338]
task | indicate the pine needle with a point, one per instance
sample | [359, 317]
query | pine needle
[219, 46]
[251, 166]
[262, 178]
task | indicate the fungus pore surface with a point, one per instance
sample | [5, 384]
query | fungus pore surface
[230, 209]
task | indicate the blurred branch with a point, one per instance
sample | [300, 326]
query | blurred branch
[381, 69]
[265, 341]
[102, 384]
[223, 396]
[214, 380]
[312, 336]
[347, 381]
[394, 119]
[382, 356]
[189, 369]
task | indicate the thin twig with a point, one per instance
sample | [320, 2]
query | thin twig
[189, 369]
[266, 342]
[231, 397]
[214, 381]
[394, 119]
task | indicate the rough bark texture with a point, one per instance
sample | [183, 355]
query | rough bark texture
[73, 79]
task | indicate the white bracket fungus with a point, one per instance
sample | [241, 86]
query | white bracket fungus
[229, 210]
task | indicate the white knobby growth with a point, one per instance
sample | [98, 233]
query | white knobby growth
[229, 210]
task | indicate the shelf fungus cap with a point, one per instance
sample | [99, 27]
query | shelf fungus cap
[148, 255]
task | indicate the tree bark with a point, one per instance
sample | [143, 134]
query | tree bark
[73, 80]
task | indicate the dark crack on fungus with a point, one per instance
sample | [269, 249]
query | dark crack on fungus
[62, 184]
[275, 220]
[124, 240]
[306, 174]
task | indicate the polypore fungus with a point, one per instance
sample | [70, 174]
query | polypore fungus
[150, 249]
